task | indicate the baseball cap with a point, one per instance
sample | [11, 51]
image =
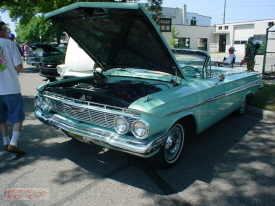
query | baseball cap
[251, 38]
[11, 36]
[232, 48]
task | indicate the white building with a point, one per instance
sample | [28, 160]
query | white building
[236, 34]
[182, 17]
[196, 32]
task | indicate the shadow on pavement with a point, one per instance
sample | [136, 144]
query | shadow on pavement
[30, 69]
[202, 158]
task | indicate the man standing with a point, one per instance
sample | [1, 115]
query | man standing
[250, 53]
[11, 101]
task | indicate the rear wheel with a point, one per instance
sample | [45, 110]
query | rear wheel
[170, 153]
[240, 111]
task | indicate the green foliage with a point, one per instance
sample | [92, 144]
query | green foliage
[174, 34]
[264, 98]
[38, 29]
[155, 7]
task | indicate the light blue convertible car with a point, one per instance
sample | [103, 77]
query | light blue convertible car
[148, 98]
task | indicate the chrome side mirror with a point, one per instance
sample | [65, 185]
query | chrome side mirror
[221, 78]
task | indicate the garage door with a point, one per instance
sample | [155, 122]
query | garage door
[241, 34]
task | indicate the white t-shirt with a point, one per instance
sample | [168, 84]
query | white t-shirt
[229, 60]
[9, 59]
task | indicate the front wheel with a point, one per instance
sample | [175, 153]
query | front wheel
[170, 153]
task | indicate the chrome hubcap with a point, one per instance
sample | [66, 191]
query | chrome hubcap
[242, 108]
[173, 145]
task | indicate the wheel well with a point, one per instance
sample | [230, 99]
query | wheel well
[189, 125]
[249, 95]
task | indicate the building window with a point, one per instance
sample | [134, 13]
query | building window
[226, 28]
[220, 28]
[240, 41]
[182, 42]
[202, 44]
[193, 22]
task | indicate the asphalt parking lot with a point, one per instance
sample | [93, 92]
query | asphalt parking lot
[231, 163]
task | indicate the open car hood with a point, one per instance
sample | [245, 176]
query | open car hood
[45, 47]
[117, 35]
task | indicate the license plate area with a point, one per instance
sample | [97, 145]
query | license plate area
[77, 136]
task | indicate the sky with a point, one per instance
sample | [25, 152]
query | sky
[235, 10]
[5, 18]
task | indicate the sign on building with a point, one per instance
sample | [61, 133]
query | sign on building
[164, 24]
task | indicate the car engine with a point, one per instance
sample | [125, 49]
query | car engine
[119, 94]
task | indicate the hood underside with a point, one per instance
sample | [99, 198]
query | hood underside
[117, 35]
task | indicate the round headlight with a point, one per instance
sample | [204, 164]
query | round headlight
[59, 70]
[121, 125]
[140, 129]
[37, 101]
[46, 105]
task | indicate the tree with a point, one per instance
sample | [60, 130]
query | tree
[155, 7]
[38, 29]
[174, 34]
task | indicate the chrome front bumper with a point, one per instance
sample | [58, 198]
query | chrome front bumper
[102, 136]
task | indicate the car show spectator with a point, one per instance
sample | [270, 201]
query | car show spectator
[11, 101]
[27, 49]
[229, 61]
[11, 36]
[251, 50]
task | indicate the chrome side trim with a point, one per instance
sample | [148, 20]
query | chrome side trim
[231, 92]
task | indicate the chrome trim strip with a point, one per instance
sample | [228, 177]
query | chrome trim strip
[108, 139]
[231, 92]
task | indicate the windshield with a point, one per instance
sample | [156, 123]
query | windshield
[191, 62]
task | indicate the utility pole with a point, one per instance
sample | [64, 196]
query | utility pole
[224, 12]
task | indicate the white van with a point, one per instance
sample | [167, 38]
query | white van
[77, 62]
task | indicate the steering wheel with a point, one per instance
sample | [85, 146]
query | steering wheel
[191, 70]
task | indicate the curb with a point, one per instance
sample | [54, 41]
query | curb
[261, 113]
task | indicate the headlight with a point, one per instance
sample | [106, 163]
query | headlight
[121, 125]
[140, 129]
[59, 70]
[37, 101]
[46, 105]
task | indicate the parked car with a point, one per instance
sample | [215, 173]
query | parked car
[48, 67]
[77, 63]
[40, 51]
[148, 98]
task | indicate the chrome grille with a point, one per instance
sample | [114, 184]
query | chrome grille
[89, 115]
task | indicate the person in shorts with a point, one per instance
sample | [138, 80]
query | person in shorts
[11, 101]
